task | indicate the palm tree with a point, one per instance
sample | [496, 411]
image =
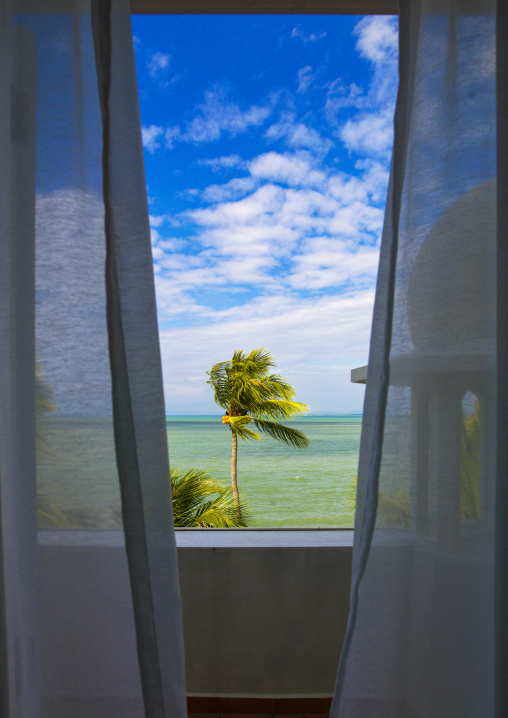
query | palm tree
[248, 392]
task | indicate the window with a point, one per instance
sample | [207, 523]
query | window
[267, 168]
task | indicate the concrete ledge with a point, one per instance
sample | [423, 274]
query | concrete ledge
[263, 538]
[359, 375]
[207, 538]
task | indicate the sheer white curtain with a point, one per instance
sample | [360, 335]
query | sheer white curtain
[77, 313]
[422, 627]
[80, 383]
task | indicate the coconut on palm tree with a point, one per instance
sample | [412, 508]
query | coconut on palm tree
[249, 393]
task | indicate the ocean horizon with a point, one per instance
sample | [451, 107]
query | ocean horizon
[316, 414]
[280, 486]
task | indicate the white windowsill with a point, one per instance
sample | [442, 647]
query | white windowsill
[208, 538]
[262, 538]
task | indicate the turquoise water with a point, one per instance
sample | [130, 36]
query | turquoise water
[280, 485]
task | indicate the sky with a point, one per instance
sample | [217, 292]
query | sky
[267, 145]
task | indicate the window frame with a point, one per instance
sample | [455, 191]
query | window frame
[267, 7]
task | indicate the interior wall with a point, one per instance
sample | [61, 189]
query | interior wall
[257, 620]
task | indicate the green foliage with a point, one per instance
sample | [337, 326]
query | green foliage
[470, 465]
[244, 387]
[351, 494]
[43, 393]
[395, 510]
[198, 499]
[43, 404]
[391, 510]
[201, 501]
[238, 425]
[247, 391]
[50, 517]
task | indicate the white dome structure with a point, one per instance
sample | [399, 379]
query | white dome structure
[451, 295]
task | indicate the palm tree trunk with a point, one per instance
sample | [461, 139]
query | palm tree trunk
[233, 473]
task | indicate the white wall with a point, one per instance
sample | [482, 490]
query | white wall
[264, 613]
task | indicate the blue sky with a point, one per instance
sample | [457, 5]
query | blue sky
[267, 143]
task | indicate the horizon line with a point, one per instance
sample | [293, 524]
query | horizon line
[356, 412]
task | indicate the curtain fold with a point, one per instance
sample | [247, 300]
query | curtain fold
[501, 547]
[19, 667]
[420, 639]
[138, 405]
[379, 366]
[93, 591]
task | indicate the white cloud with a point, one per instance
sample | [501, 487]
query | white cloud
[315, 342]
[305, 78]
[217, 116]
[311, 37]
[284, 254]
[293, 169]
[326, 261]
[263, 201]
[341, 96]
[158, 64]
[156, 221]
[303, 243]
[370, 130]
[377, 38]
[218, 163]
[289, 224]
[172, 135]
[271, 229]
[378, 43]
[371, 133]
[233, 189]
[298, 135]
[151, 137]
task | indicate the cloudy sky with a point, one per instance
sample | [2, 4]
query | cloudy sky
[267, 146]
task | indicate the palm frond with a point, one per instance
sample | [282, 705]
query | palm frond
[43, 393]
[470, 465]
[279, 409]
[255, 364]
[43, 406]
[239, 424]
[201, 501]
[286, 434]
[218, 381]
[279, 387]
[352, 491]
[393, 511]
[49, 516]
[221, 513]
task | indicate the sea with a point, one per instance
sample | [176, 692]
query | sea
[280, 486]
